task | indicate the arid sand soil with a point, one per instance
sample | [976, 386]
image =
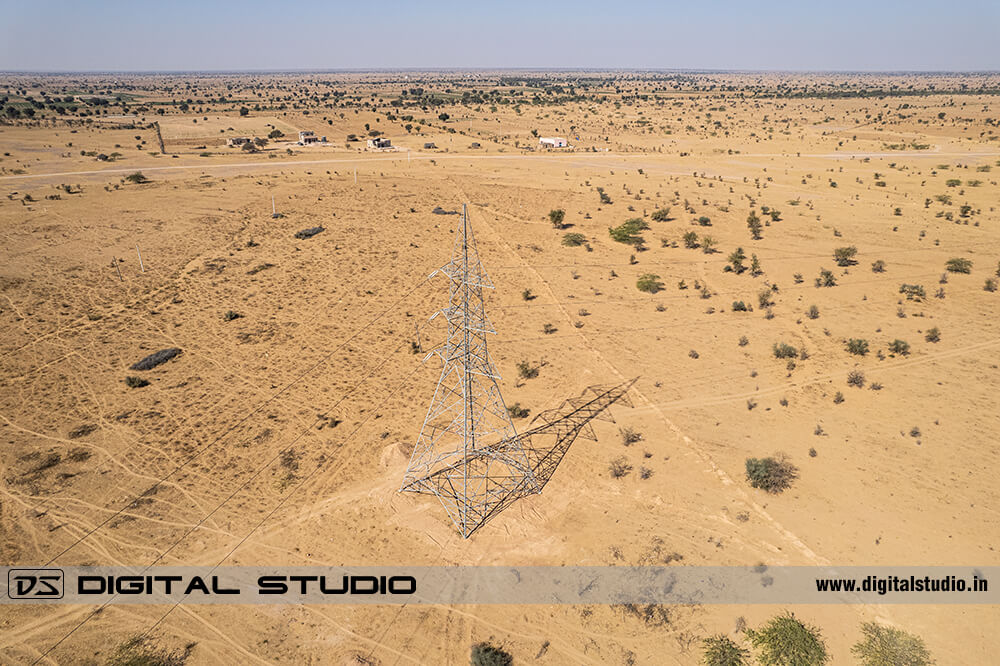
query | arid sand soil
[284, 427]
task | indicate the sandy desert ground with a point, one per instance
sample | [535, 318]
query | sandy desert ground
[283, 433]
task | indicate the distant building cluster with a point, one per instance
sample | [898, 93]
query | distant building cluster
[238, 140]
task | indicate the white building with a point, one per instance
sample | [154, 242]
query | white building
[379, 142]
[307, 137]
[552, 142]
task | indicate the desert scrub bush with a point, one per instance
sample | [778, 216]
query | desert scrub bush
[136, 178]
[136, 382]
[888, 646]
[772, 474]
[838, 398]
[527, 371]
[856, 378]
[556, 217]
[739, 306]
[661, 215]
[693, 354]
[812, 312]
[691, 240]
[231, 315]
[574, 239]
[619, 467]
[721, 650]
[878, 266]
[764, 299]
[826, 279]
[744, 341]
[844, 256]
[991, 285]
[527, 295]
[549, 329]
[628, 231]
[953, 182]
[857, 346]
[754, 225]
[736, 259]
[630, 436]
[932, 335]
[913, 292]
[141, 651]
[516, 411]
[787, 641]
[784, 350]
[649, 283]
[900, 347]
[484, 654]
[959, 265]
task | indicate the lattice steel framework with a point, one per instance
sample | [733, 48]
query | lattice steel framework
[468, 453]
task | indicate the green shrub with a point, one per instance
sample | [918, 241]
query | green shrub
[912, 291]
[661, 215]
[739, 306]
[812, 312]
[857, 346]
[649, 283]
[782, 350]
[764, 297]
[856, 378]
[932, 335]
[136, 382]
[720, 650]
[736, 260]
[826, 279]
[953, 182]
[787, 641]
[959, 265]
[691, 240]
[574, 239]
[136, 178]
[619, 467]
[888, 646]
[484, 654]
[878, 266]
[556, 217]
[845, 255]
[754, 225]
[990, 285]
[900, 347]
[230, 315]
[628, 231]
[772, 474]
[526, 371]
[518, 412]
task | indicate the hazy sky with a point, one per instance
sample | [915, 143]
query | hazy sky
[79, 35]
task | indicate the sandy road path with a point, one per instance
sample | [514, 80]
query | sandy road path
[431, 157]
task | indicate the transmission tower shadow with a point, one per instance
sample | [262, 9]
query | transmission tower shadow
[545, 445]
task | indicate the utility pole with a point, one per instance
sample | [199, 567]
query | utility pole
[142, 268]
[468, 453]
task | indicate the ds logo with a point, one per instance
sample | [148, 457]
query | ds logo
[35, 583]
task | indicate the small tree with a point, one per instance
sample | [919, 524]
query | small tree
[136, 178]
[556, 217]
[628, 231]
[573, 239]
[755, 226]
[244, 111]
[787, 641]
[691, 240]
[888, 646]
[275, 134]
[721, 650]
[736, 259]
[661, 214]
[845, 255]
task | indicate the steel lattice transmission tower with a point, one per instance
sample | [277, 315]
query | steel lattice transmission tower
[468, 453]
